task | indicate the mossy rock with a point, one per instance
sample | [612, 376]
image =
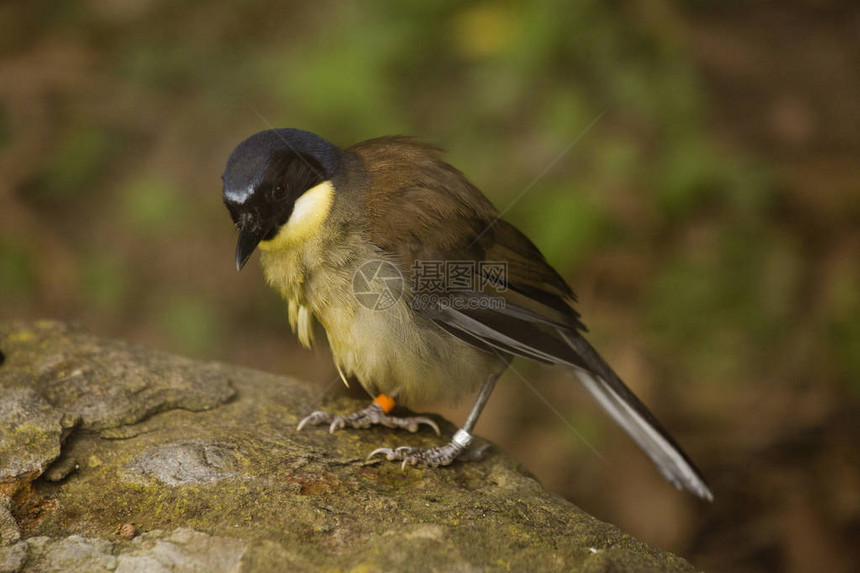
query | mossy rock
[119, 458]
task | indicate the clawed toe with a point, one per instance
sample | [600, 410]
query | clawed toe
[315, 419]
[412, 424]
[337, 424]
[390, 455]
[401, 453]
[430, 457]
[373, 415]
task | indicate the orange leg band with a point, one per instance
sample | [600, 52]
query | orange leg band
[384, 402]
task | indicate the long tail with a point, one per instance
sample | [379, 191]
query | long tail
[632, 415]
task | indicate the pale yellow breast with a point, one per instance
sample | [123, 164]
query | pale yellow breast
[382, 348]
[286, 257]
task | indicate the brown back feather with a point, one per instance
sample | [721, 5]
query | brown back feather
[422, 209]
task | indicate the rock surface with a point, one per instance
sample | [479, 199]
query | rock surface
[101, 439]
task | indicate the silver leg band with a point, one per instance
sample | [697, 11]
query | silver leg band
[462, 438]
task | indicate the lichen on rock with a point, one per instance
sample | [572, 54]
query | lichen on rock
[203, 459]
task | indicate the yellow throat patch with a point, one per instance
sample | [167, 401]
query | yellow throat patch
[309, 213]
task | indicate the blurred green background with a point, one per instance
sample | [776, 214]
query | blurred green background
[709, 219]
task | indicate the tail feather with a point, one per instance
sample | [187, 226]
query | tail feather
[620, 403]
[532, 337]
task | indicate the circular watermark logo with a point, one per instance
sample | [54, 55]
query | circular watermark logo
[377, 285]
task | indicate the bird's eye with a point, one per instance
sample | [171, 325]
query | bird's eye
[279, 192]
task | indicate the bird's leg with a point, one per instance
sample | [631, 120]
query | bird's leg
[444, 455]
[374, 415]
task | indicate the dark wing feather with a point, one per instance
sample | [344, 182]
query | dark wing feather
[421, 209]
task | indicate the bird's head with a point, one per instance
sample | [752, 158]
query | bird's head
[277, 187]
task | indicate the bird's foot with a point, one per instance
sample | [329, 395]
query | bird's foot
[373, 415]
[435, 457]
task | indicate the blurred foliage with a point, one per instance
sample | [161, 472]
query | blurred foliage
[844, 324]
[153, 206]
[105, 282]
[190, 324]
[587, 123]
[81, 155]
[16, 273]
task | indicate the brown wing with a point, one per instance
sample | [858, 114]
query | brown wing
[424, 211]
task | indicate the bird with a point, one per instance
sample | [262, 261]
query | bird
[424, 291]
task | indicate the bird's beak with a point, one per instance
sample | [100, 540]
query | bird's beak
[251, 232]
